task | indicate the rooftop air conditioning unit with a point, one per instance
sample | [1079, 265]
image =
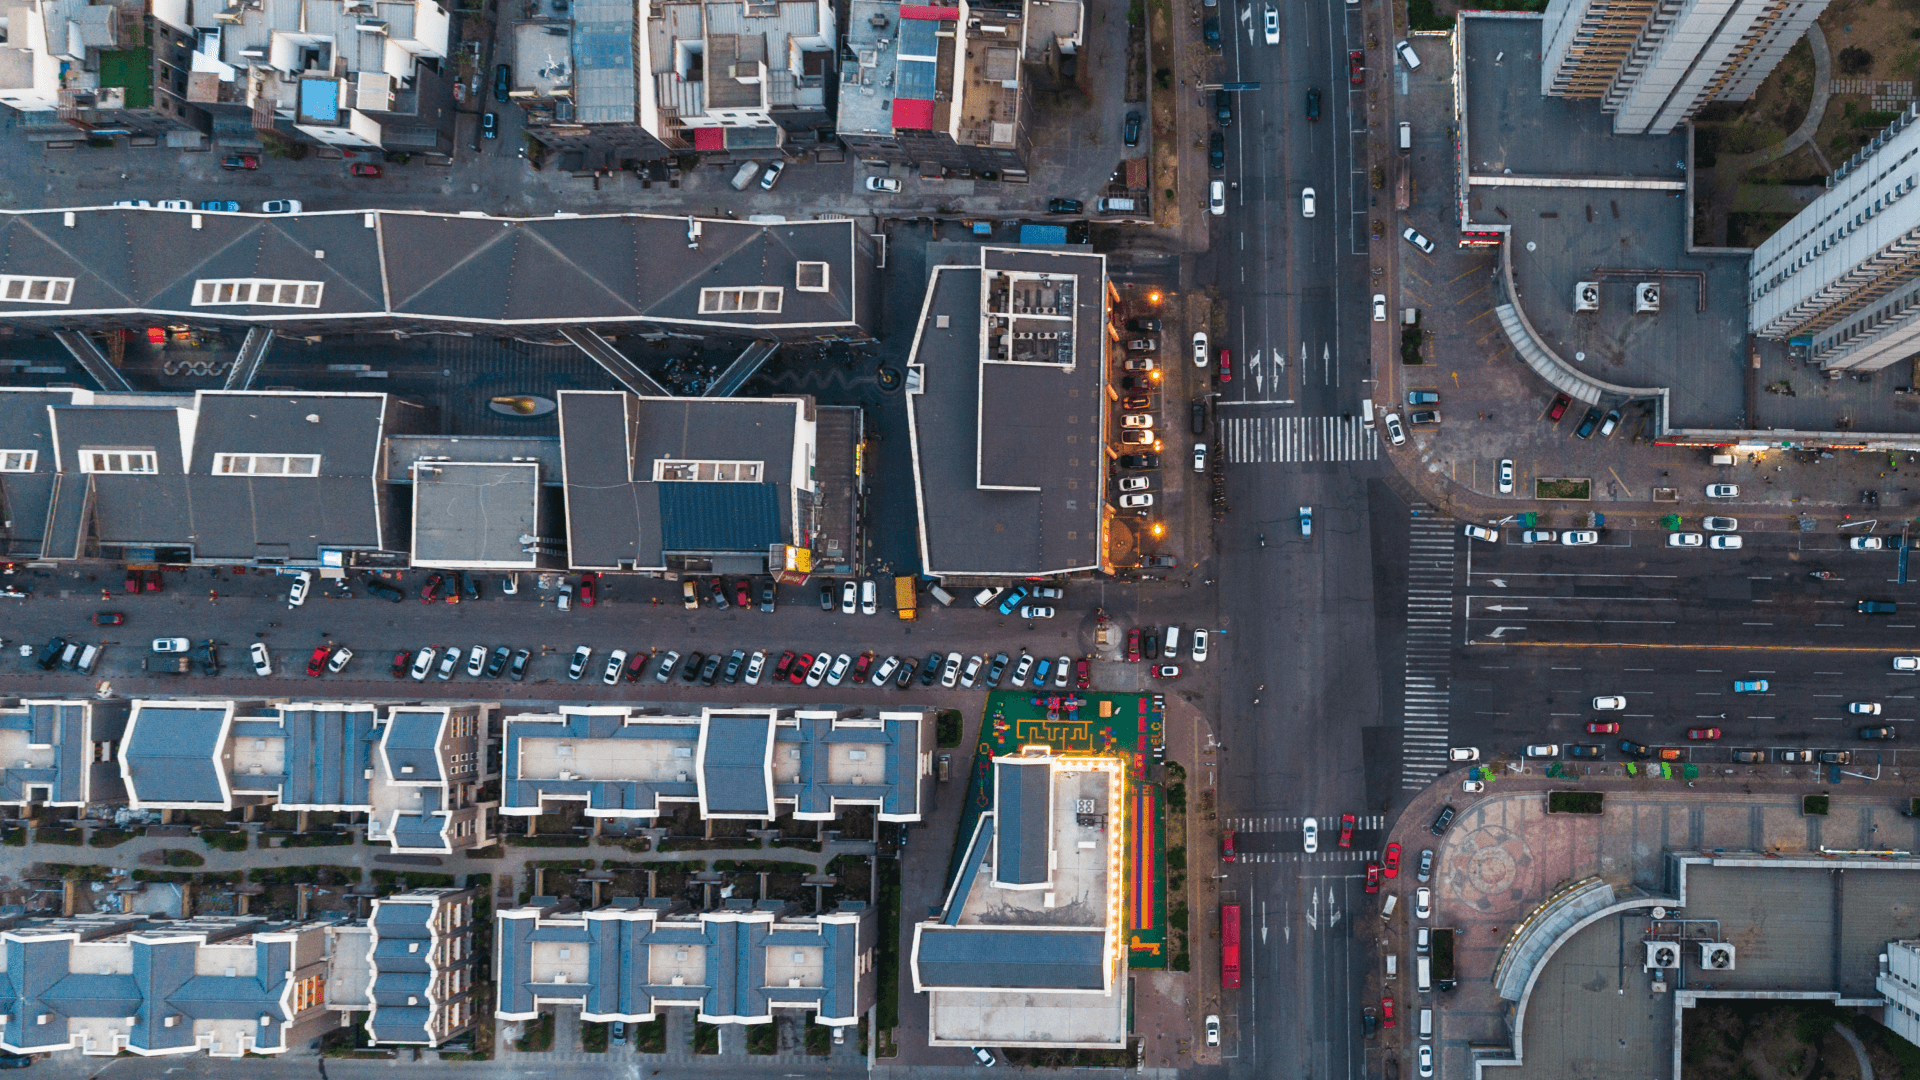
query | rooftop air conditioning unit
[1646, 297]
[1586, 296]
[1716, 956]
[1662, 954]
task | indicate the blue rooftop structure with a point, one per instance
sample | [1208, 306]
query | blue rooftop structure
[46, 753]
[171, 755]
[735, 778]
[1023, 821]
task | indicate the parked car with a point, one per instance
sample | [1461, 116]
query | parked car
[1064, 206]
[1356, 67]
[1559, 407]
[317, 662]
[280, 206]
[1587, 424]
[361, 168]
[1130, 130]
[240, 161]
[1720, 524]
[1685, 540]
[383, 589]
[1750, 686]
[517, 670]
[1703, 734]
[338, 662]
[886, 184]
[578, 664]
[1395, 434]
[772, 175]
[220, 206]
[1723, 491]
[1864, 543]
[263, 663]
[422, 664]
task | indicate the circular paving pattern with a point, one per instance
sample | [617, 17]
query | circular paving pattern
[1491, 869]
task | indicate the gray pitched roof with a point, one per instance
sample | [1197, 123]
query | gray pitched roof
[329, 748]
[734, 770]
[1022, 821]
[411, 742]
[28, 496]
[172, 753]
[988, 958]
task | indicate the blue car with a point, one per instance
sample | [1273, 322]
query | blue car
[224, 206]
[1013, 600]
[1757, 686]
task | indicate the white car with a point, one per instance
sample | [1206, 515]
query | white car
[1720, 524]
[839, 670]
[1610, 703]
[338, 662]
[1426, 1061]
[171, 644]
[1407, 55]
[611, 673]
[1538, 536]
[1200, 457]
[1395, 434]
[1412, 236]
[1213, 1022]
[1136, 502]
[772, 175]
[884, 671]
[280, 206]
[1310, 836]
[476, 661]
[175, 204]
[1134, 483]
[262, 663]
[1544, 750]
[1906, 663]
[1021, 670]
[1688, 540]
[1379, 307]
[1306, 202]
[1217, 198]
[869, 598]
[1040, 611]
[1723, 491]
[818, 672]
[1866, 543]
[1200, 349]
[1137, 420]
[576, 667]
[298, 594]
[1199, 646]
[450, 660]
[1579, 537]
[755, 665]
[1473, 786]
[1864, 708]
[134, 203]
[1724, 543]
[1480, 532]
[1506, 476]
[1423, 903]
[849, 596]
[1464, 753]
[883, 183]
[950, 673]
[422, 663]
[1273, 25]
[1062, 671]
[972, 673]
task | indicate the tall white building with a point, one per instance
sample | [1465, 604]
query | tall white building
[1843, 277]
[1654, 63]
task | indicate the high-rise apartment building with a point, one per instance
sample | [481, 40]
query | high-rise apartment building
[1842, 279]
[1654, 63]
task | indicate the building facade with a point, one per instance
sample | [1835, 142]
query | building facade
[1655, 63]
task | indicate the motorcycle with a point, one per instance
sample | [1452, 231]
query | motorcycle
[1822, 575]
[1263, 539]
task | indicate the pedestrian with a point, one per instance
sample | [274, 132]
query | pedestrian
[213, 596]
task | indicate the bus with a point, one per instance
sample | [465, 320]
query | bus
[1229, 946]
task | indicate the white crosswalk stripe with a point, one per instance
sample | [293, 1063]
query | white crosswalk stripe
[1427, 690]
[1292, 824]
[1268, 439]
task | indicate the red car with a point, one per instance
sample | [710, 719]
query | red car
[1356, 67]
[133, 581]
[1226, 845]
[152, 578]
[743, 594]
[432, 589]
[1083, 673]
[1226, 366]
[361, 169]
[589, 584]
[1559, 409]
[108, 618]
[1698, 734]
[1608, 728]
[784, 667]
[800, 667]
[1133, 645]
[1386, 1012]
[1346, 830]
[402, 660]
[241, 161]
[318, 661]
[1671, 753]
[1393, 860]
[1165, 671]
[860, 666]
[1373, 877]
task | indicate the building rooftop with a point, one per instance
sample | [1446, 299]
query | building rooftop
[47, 755]
[476, 515]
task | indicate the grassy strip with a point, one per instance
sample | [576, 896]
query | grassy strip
[888, 989]
[538, 1037]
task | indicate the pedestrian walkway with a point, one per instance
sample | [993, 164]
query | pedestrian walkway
[1255, 440]
[1429, 649]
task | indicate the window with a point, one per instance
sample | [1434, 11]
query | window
[731, 300]
[15, 289]
[18, 460]
[118, 461]
[266, 465]
[213, 291]
[812, 276]
[710, 472]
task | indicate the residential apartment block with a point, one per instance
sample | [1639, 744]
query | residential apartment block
[60, 752]
[1842, 278]
[409, 966]
[1655, 63]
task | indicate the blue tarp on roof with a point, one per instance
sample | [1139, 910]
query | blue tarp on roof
[720, 517]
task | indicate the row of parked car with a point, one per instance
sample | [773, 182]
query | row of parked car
[814, 669]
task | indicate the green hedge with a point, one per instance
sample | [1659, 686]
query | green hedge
[888, 990]
[763, 1039]
[106, 838]
[183, 857]
[328, 838]
[1574, 802]
[1815, 805]
[593, 1036]
[947, 726]
[538, 1036]
[549, 841]
[706, 1038]
[66, 837]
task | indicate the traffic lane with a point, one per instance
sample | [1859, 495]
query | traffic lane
[1516, 616]
[1647, 553]
[1315, 976]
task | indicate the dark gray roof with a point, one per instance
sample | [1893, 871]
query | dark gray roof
[28, 496]
[411, 744]
[467, 514]
[734, 769]
[172, 753]
[1023, 818]
[980, 427]
[986, 958]
[62, 726]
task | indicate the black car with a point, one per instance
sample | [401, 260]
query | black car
[826, 598]
[502, 82]
[489, 126]
[1223, 107]
[1144, 326]
[1212, 32]
[497, 663]
[1588, 423]
[1199, 418]
[518, 669]
[1587, 750]
[209, 658]
[1217, 151]
[1150, 644]
[1131, 133]
[1139, 461]
[1637, 751]
[691, 670]
[1878, 733]
[717, 588]
[709, 670]
[1064, 206]
[930, 670]
[1439, 826]
[736, 660]
[384, 590]
[1313, 104]
[905, 675]
[469, 588]
[996, 669]
[50, 656]
[767, 595]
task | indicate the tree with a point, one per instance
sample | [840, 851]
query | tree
[1855, 60]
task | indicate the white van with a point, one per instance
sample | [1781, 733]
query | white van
[1393, 966]
[940, 594]
[1426, 1024]
[745, 174]
[1366, 411]
[1393, 901]
[87, 656]
[1171, 646]
[1114, 206]
[1423, 975]
[1406, 135]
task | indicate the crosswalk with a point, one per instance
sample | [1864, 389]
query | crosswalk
[1324, 855]
[1429, 663]
[1292, 824]
[1250, 828]
[1271, 439]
